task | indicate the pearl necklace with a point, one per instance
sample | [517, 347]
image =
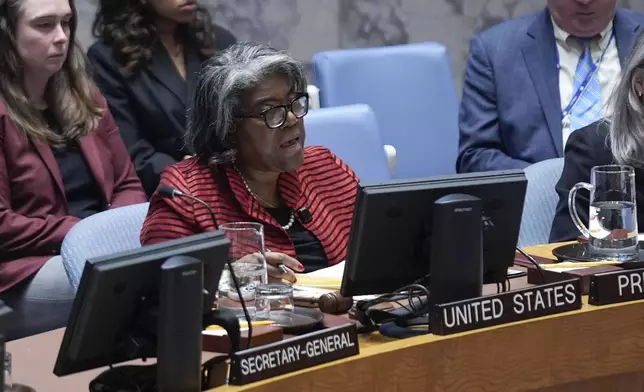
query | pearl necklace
[291, 219]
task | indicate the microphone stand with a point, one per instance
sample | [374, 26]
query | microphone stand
[171, 193]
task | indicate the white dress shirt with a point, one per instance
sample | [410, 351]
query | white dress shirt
[569, 53]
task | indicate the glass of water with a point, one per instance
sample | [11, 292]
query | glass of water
[248, 265]
[612, 217]
[274, 301]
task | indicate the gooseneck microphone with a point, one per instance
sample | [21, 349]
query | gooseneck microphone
[170, 193]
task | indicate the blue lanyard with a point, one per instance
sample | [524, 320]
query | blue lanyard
[586, 82]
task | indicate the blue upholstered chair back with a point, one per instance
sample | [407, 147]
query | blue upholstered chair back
[411, 91]
[102, 234]
[540, 201]
[351, 133]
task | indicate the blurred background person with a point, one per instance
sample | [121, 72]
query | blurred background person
[61, 158]
[146, 61]
[525, 84]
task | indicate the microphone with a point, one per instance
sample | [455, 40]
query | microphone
[169, 192]
[304, 214]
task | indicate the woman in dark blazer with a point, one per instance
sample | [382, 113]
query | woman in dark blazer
[145, 62]
[619, 140]
[61, 159]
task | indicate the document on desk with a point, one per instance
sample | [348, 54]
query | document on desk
[325, 278]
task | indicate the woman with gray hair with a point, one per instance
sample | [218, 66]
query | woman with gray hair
[246, 128]
[617, 140]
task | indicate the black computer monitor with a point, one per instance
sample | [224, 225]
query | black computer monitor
[392, 225]
[118, 296]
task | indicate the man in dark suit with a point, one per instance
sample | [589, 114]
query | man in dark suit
[532, 81]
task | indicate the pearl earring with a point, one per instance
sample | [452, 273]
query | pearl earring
[639, 94]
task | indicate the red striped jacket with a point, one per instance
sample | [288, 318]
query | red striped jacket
[324, 184]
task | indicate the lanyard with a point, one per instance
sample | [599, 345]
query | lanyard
[586, 82]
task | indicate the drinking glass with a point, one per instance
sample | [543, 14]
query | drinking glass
[274, 301]
[248, 264]
[612, 217]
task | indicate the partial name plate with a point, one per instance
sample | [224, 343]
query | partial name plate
[516, 305]
[616, 286]
[293, 354]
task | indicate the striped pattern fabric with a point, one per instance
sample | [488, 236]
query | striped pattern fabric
[588, 108]
[324, 185]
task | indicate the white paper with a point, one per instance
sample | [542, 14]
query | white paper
[306, 291]
[333, 272]
[565, 269]
[220, 332]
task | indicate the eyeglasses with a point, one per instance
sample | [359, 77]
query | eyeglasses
[275, 116]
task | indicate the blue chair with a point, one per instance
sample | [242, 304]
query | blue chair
[411, 91]
[351, 132]
[102, 234]
[540, 201]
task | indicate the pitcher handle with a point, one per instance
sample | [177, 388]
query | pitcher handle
[572, 207]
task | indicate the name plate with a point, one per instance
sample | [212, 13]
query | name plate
[293, 354]
[616, 286]
[505, 308]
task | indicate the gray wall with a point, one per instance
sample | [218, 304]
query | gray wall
[304, 27]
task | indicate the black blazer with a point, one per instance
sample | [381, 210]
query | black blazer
[586, 147]
[150, 106]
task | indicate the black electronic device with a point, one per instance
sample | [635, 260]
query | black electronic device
[146, 303]
[456, 268]
[393, 229]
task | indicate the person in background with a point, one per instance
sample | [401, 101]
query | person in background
[617, 140]
[61, 158]
[146, 61]
[247, 131]
[525, 84]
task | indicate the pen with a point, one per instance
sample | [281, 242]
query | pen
[580, 265]
[283, 268]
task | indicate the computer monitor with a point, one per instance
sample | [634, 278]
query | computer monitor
[118, 299]
[392, 228]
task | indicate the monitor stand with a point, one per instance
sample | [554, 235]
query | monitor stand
[180, 324]
[175, 326]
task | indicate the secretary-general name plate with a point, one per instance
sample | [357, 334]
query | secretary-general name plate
[293, 354]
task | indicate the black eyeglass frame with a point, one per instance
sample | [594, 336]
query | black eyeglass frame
[285, 109]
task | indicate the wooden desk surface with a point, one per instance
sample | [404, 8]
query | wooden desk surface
[593, 349]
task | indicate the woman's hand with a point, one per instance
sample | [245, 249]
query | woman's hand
[274, 259]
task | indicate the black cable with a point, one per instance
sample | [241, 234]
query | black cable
[533, 261]
[243, 302]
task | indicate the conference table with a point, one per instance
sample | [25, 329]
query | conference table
[591, 349]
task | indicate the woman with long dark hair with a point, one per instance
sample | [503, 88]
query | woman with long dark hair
[146, 60]
[61, 158]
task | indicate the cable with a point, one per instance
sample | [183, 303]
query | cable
[533, 261]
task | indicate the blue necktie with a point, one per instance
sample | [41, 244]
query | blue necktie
[588, 107]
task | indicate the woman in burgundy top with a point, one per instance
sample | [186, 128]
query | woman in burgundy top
[247, 130]
[61, 158]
